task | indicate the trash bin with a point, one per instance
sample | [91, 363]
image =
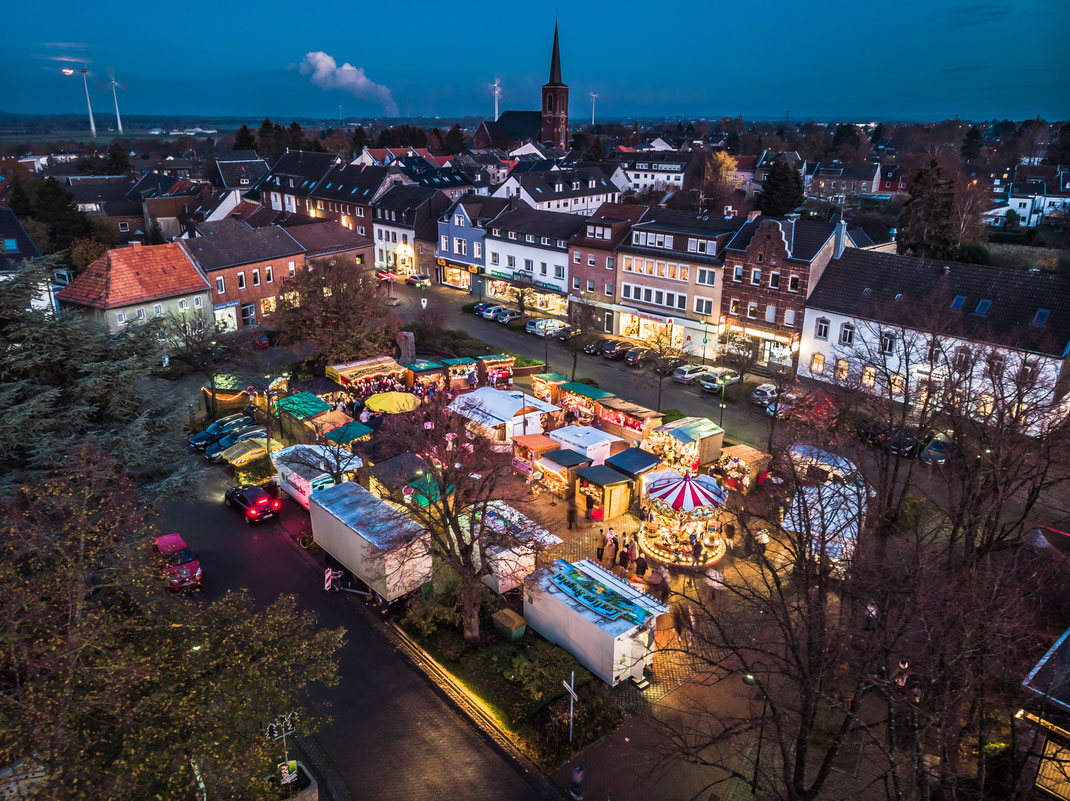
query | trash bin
[509, 624]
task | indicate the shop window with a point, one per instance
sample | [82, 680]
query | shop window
[267, 305]
[817, 363]
[841, 369]
[248, 314]
[896, 383]
[869, 375]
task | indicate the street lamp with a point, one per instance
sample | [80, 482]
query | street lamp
[721, 423]
[751, 680]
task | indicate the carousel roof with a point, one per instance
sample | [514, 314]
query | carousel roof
[687, 492]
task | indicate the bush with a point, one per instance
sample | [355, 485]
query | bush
[425, 615]
[671, 414]
[255, 473]
[597, 713]
[538, 670]
[524, 361]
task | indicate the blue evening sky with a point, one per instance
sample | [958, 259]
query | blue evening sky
[825, 59]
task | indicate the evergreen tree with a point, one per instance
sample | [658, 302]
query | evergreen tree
[877, 133]
[244, 139]
[731, 142]
[54, 205]
[360, 140]
[597, 151]
[1058, 153]
[21, 203]
[455, 140]
[117, 161]
[155, 235]
[782, 190]
[971, 144]
[926, 225]
[846, 136]
[295, 137]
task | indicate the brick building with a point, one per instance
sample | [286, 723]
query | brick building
[289, 183]
[345, 193]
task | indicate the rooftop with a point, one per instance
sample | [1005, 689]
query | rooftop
[230, 242]
[134, 274]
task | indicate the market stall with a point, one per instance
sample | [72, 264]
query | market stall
[602, 620]
[626, 419]
[634, 463]
[555, 470]
[602, 493]
[545, 386]
[322, 387]
[496, 370]
[739, 467]
[232, 391]
[392, 403]
[405, 478]
[319, 425]
[595, 444]
[686, 443]
[348, 434]
[425, 377]
[500, 415]
[294, 410]
[368, 376]
[527, 448]
[682, 507]
[461, 374]
[581, 400]
[518, 540]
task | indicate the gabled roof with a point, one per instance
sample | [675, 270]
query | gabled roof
[297, 172]
[257, 216]
[405, 198]
[543, 186]
[619, 216]
[350, 183]
[134, 274]
[904, 290]
[481, 208]
[849, 171]
[699, 223]
[515, 126]
[554, 224]
[231, 242]
[239, 174]
[805, 238]
[15, 243]
[327, 237]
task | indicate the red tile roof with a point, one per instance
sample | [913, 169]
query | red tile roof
[134, 274]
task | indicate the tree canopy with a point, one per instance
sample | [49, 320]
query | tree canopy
[782, 190]
[926, 226]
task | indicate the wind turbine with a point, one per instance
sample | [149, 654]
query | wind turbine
[85, 80]
[497, 87]
[594, 97]
[115, 97]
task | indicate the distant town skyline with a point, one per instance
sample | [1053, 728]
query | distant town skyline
[829, 61]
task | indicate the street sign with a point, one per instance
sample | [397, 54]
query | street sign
[570, 690]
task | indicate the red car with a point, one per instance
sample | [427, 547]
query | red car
[177, 563]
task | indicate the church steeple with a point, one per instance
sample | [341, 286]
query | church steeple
[555, 62]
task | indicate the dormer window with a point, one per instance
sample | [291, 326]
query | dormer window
[958, 302]
[559, 187]
[1041, 317]
[983, 307]
[575, 184]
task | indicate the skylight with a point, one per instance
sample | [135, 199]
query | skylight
[983, 307]
[958, 302]
[1041, 316]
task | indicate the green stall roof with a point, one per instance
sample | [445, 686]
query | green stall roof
[303, 405]
[551, 378]
[586, 390]
[498, 357]
[458, 362]
[422, 366]
[345, 434]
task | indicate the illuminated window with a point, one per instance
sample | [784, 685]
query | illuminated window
[869, 376]
[267, 305]
[817, 363]
[841, 369]
[896, 383]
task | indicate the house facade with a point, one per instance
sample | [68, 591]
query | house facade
[836, 181]
[579, 191]
[288, 185]
[405, 222]
[459, 256]
[661, 170]
[345, 193]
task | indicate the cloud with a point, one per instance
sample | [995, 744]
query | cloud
[68, 45]
[326, 74]
[67, 59]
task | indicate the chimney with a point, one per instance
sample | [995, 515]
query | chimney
[514, 202]
[753, 215]
[135, 244]
[841, 239]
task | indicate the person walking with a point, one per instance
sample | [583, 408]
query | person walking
[633, 548]
[641, 566]
[602, 540]
[696, 552]
[611, 546]
[622, 558]
[576, 791]
[570, 515]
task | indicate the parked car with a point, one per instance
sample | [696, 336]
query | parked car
[479, 308]
[637, 357]
[508, 315]
[616, 349]
[594, 347]
[813, 409]
[689, 373]
[176, 561]
[908, 441]
[718, 378]
[569, 332]
[876, 432]
[241, 453]
[213, 453]
[418, 280]
[763, 394]
[543, 326]
[387, 275]
[491, 312]
[255, 503]
[217, 430]
[937, 450]
[666, 365]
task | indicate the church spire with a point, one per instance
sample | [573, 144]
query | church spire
[555, 62]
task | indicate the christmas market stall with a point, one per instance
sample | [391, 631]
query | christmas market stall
[348, 434]
[602, 493]
[496, 370]
[321, 424]
[527, 448]
[425, 377]
[461, 374]
[593, 443]
[520, 540]
[739, 467]
[602, 620]
[626, 419]
[686, 443]
[500, 415]
[555, 470]
[295, 410]
[545, 386]
[235, 391]
[368, 376]
[322, 387]
[637, 464]
[684, 509]
[406, 477]
[581, 400]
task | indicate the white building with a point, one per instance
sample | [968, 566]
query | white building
[660, 170]
[579, 191]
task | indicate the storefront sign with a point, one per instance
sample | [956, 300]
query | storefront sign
[473, 269]
[522, 276]
[551, 287]
[230, 304]
[595, 595]
[499, 274]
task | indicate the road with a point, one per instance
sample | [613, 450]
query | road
[742, 421]
[393, 735]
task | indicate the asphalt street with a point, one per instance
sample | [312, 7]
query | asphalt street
[393, 736]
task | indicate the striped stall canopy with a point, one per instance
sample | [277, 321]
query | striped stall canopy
[687, 493]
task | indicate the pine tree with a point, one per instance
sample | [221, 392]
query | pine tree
[55, 205]
[21, 203]
[360, 140]
[295, 136]
[782, 190]
[926, 225]
[971, 144]
[244, 139]
[1059, 152]
[455, 140]
[597, 151]
[117, 161]
[155, 235]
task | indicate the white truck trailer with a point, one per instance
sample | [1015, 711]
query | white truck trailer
[303, 469]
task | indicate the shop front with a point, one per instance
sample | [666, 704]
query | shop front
[693, 337]
[771, 349]
[626, 419]
[739, 467]
[461, 373]
[580, 401]
[369, 376]
[684, 526]
[554, 470]
[686, 443]
[453, 274]
[537, 296]
[226, 316]
[602, 493]
[496, 370]
[527, 448]
[545, 386]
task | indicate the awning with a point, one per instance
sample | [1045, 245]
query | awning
[392, 402]
[497, 357]
[343, 435]
[458, 362]
[691, 429]
[303, 405]
[628, 408]
[565, 458]
[320, 385]
[328, 421]
[352, 372]
[537, 442]
[603, 476]
[550, 378]
[586, 390]
[422, 366]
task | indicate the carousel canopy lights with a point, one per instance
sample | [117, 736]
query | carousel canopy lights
[687, 493]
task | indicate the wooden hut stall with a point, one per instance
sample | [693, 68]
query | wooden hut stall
[233, 392]
[295, 410]
[582, 400]
[555, 470]
[527, 449]
[637, 464]
[496, 370]
[686, 443]
[601, 492]
[368, 376]
[349, 434]
[545, 386]
[321, 424]
[739, 467]
[458, 371]
[424, 375]
[626, 419]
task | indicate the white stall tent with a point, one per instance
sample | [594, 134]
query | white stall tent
[513, 560]
[374, 538]
[303, 469]
[831, 515]
[588, 440]
[508, 413]
[605, 622]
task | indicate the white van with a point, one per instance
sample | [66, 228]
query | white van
[543, 326]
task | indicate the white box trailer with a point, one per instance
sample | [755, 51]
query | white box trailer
[372, 538]
[605, 622]
[303, 469]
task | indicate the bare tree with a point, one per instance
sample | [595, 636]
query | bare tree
[665, 353]
[582, 318]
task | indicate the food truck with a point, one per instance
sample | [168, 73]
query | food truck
[374, 539]
[594, 444]
[303, 469]
[604, 621]
[626, 419]
[509, 564]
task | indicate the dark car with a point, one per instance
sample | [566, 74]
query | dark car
[481, 307]
[875, 432]
[908, 441]
[637, 357]
[568, 332]
[594, 347]
[214, 452]
[616, 350]
[937, 451]
[217, 430]
[255, 503]
[668, 365]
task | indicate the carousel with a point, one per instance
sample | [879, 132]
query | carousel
[683, 506]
